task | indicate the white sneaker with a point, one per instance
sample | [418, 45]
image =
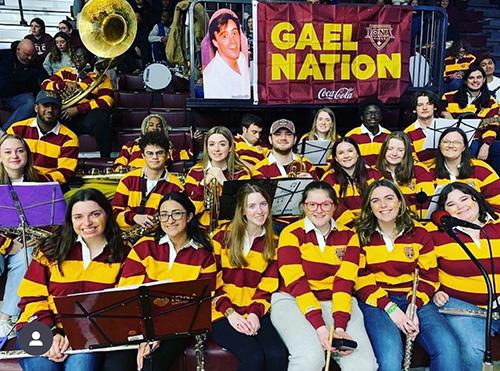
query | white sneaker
[7, 328]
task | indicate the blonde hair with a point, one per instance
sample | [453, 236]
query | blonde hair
[233, 162]
[237, 228]
[145, 123]
[332, 134]
[29, 172]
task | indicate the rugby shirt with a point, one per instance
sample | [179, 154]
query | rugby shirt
[417, 135]
[249, 153]
[369, 144]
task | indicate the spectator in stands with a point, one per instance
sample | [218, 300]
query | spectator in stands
[457, 61]
[475, 100]
[248, 143]
[92, 114]
[452, 31]
[158, 37]
[370, 135]
[66, 27]
[41, 40]
[54, 146]
[424, 106]
[229, 64]
[487, 63]
[145, 23]
[20, 78]
[60, 55]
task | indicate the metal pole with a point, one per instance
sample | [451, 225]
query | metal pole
[22, 22]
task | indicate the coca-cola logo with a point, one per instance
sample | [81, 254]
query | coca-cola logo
[339, 94]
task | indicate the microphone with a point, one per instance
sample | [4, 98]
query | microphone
[443, 219]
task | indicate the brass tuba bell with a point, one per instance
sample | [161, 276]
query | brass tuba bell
[107, 29]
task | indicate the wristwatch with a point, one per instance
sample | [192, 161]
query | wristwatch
[228, 312]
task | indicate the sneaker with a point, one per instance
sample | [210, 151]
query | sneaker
[7, 328]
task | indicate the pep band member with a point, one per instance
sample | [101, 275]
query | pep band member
[247, 274]
[462, 286]
[454, 163]
[349, 176]
[392, 246]
[178, 252]
[324, 127]
[248, 143]
[413, 179]
[85, 256]
[16, 166]
[219, 162]
[318, 263]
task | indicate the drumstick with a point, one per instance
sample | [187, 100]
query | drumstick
[328, 353]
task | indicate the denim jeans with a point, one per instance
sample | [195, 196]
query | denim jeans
[435, 336]
[469, 332]
[22, 105]
[74, 362]
[16, 268]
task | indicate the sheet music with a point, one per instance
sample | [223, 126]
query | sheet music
[288, 195]
[316, 151]
[438, 126]
[122, 288]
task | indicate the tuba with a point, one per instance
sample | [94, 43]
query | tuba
[296, 167]
[107, 29]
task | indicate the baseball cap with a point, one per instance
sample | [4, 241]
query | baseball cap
[48, 96]
[282, 123]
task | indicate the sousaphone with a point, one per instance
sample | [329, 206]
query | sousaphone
[107, 29]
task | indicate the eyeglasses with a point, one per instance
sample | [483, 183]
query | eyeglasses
[151, 154]
[453, 143]
[176, 215]
[324, 206]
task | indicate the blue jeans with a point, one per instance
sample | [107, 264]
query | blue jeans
[469, 332]
[22, 105]
[435, 336]
[16, 268]
[74, 362]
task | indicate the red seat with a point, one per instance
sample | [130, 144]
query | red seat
[133, 99]
[130, 83]
[171, 101]
[126, 118]
[88, 143]
[124, 137]
[173, 118]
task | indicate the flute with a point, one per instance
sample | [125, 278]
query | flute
[14, 354]
[409, 342]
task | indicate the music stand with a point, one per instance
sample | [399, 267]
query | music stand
[438, 126]
[433, 202]
[316, 151]
[133, 314]
[31, 204]
[285, 194]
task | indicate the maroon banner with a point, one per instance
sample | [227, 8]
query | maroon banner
[326, 54]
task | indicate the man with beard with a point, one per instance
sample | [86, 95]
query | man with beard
[20, 78]
[140, 191]
[53, 145]
[281, 161]
[92, 114]
[474, 100]
[424, 105]
[370, 134]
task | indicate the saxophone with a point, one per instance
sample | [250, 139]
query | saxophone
[412, 314]
[137, 231]
[211, 202]
[32, 232]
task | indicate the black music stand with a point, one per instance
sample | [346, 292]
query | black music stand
[31, 204]
[316, 151]
[438, 126]
[285, 194]
[134, 314]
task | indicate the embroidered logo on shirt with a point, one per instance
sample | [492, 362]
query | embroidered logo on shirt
[340, 252]
[409, 252]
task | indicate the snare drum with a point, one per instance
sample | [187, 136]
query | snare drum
[157, 76]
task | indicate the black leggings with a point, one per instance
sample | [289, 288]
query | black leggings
[264, 351]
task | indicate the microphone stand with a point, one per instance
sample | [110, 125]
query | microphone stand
[487, 359]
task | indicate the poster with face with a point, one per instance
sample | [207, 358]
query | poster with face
[225, 67]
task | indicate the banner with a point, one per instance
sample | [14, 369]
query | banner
[326, 54]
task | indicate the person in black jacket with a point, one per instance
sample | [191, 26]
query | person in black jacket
[20, 78]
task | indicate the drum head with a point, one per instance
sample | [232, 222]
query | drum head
[156, 76]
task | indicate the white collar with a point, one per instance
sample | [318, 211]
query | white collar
[364, 130]
[281, 168]
[389, 243]
[173, 253]
[309, 226]
[417, 125]
[246, 241]
[244, 139]
[55, 130]
[164, 177]
[86, 251]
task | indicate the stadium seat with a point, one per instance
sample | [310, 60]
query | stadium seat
[174, 118]
[170, 101]
[130, 83]
[133, 99]
[127, 118]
